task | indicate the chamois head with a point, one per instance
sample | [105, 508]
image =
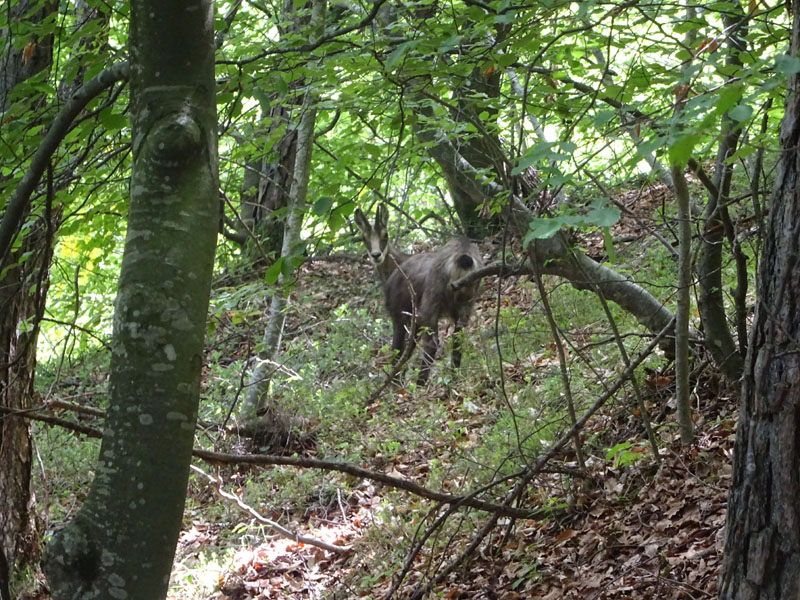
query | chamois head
[384, 256]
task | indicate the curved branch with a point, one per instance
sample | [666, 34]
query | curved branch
[60, 127]
[216, 484]
[553, 256]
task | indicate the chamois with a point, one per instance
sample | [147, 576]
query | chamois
[418, 289]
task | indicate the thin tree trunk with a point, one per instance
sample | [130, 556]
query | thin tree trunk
[122, 541]
[256, 402]
[682, 389]
[711, 300]
[22, 291]
[267, 180]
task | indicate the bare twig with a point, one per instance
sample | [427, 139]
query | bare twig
[216, 484]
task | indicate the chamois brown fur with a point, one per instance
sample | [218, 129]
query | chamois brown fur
[418, 289]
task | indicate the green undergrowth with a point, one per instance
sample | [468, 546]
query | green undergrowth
[465, 429]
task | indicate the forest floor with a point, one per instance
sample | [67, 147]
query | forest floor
[626, 528]
[634, 532]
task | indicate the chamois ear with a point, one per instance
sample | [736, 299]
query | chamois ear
[361, 221]
[381, 217]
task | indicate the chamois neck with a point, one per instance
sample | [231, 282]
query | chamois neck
[394, 257]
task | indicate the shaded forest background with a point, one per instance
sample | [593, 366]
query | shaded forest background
[613, 161]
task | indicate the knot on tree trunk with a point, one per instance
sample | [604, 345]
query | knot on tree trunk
[174, 140]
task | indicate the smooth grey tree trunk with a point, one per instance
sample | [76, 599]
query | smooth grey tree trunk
[122, 542]
[762, 545]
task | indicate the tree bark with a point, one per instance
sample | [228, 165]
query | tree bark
[762, 546]
[22, 292]
[682, 389]
[268, 178]
[121, 543]
[21, 61]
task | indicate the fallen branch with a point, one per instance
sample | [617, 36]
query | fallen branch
[216, 483]
[216, 458]
[356, 471]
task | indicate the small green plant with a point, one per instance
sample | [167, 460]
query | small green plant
[627, 453]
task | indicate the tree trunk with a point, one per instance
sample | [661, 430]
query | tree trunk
[121, 543]
[257, 401]
[762, 546]
[267, 181]
[22, 294]
[266, 185]
[22, 291]
[21, 61]
[682, 317]
[711, 300]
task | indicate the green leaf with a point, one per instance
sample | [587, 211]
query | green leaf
[505, 60]
[740, 113]
[681, 149]
[271, 274]
[263, 99]
[524, 163]
[787, 65]
[604, 116]
[450, 43]
[336, 220]
[323, 205]
[602, 216]
[112, 121]
[612, 452]
[398, 53]
[540, 229]
[729, 97]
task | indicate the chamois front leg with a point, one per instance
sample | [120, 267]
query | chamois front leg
[458, 337]
[430, 343]
[399, 335]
